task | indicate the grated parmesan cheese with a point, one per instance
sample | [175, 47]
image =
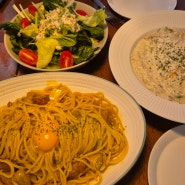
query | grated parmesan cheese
[55, 19]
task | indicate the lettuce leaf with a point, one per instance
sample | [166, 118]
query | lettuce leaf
[67, 40]
[53, 4]
[12, 28]
[46, 48]
[83, 53]
[30, 31]
[97, 19]
[95, 32]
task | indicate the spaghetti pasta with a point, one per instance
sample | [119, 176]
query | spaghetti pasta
[56, 136]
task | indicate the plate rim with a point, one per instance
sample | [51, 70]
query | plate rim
[128, 83]
[43, 77]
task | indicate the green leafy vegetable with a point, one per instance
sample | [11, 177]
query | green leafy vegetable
[83, 53]
[97, 19]
[22, 41]
[95, 32]
[83, 39]
[46, 48]
[11, 28]
[53, 4]
[30, 31]
[68, 40]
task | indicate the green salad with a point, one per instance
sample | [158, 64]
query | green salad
[55, 34]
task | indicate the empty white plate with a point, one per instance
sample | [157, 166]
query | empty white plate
[133, 8]
[167, 163]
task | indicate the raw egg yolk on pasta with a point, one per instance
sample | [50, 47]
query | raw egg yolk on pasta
[45, 136]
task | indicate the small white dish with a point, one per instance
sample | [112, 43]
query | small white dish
[134, 8]
[166, 163]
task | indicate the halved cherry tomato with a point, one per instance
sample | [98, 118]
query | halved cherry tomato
[66, 59]
[32, 9]
[81, 12]
[28, 56]
[24, 22]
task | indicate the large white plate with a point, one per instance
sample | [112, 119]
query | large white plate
[134, 8]
[166, 163]
[90, 10]
[119, 58]
[130, 112]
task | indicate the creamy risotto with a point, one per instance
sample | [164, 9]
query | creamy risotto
[158, 60]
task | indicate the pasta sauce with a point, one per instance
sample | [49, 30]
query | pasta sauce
[158, 60]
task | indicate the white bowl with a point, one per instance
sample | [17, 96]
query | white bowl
[90, 10]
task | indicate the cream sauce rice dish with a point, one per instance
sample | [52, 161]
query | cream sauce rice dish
[158, 60]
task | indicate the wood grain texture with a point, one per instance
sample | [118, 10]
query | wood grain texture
[99, 66]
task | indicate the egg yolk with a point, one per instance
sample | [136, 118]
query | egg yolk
[45, 137]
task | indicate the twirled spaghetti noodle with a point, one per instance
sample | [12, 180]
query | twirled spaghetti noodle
[56, 136]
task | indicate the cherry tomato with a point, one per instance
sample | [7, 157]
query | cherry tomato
[66, 59]
[81, 12]
[32, 9]
[24, 22]
[28, 56]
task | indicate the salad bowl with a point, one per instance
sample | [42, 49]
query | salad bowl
[79, 6]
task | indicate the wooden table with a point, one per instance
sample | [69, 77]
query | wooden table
[156, 125]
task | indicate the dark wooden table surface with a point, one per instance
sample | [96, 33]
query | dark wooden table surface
[156, 126]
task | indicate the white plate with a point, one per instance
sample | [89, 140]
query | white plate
[134, 8]
[166, 163]
[90, 10]
[119, 58]
[130, 112]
